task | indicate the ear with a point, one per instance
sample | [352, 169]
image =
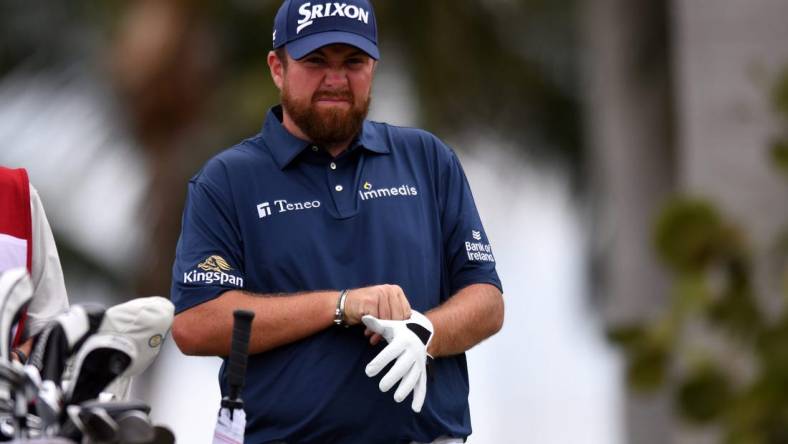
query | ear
[277, 69]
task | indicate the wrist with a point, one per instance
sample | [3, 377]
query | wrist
[432, 346]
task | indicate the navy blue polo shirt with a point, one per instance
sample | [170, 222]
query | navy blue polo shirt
[275, 214]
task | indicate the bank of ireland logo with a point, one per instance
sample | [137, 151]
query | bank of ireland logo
[367, 186]
[215, 263]
[477, 250]
[264, 209]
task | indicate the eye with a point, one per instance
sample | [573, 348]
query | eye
[355, 61]
[315, 60]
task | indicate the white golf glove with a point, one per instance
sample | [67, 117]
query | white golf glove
[407, 343]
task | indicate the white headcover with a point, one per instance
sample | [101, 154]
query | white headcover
[146, 321]
[16, 290]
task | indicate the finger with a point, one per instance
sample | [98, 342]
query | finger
[388, 354]
[419, 393]
[404, 303]
[375, 339]
[372, 323]
[384, 305]
[368, 332]
[380, 327]
[397, 309]
[408, 382]
[398, 371]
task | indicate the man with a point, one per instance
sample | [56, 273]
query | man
[26, 241]
[326, 218]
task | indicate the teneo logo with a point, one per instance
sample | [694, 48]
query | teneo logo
[283, 206]
[214, 269]
[370, 192]
[310, 12]
[264, 209]
[478, 251]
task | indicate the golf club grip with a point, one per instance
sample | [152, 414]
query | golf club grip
[239, 351]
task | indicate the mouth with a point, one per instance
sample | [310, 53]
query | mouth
[333, 99]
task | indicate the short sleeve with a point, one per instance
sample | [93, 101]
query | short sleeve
[49, 294]
[469, 255]
[208, 257]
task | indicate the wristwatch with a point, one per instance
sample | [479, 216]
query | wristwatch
[339, 313]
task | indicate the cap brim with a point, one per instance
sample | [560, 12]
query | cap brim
[298, 49]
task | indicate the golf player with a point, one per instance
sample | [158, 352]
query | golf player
[357, 244]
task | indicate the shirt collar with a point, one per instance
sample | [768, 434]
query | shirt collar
[285, 147]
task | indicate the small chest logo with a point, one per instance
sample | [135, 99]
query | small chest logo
[265, 209]
[370, 192]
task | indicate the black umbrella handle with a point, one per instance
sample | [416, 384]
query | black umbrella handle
[239, 352]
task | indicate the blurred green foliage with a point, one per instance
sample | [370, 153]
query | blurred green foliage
[742, 385]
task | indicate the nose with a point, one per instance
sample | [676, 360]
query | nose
[336, 77]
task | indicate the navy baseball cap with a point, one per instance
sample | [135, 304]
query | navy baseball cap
[303, 26]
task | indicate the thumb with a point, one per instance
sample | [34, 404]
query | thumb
[373, 323]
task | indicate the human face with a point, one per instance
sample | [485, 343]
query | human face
[326, 94]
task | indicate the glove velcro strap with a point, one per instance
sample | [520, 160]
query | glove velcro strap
[419, 330]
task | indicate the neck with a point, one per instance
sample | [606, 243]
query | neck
[334, 149]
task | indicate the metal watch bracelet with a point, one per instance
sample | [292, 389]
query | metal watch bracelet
[339, 313]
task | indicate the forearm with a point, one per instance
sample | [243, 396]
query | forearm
[473, 314]
[206, 329]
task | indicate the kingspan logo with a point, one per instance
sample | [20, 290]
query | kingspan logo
[369, 192]
[214, 269]
[310, 12]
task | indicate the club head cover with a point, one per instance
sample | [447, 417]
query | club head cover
[16, 291]
[407, 344]
[99, 361]
[146, 322]
[61, 337]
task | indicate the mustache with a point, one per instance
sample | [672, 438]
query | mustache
[333, 95]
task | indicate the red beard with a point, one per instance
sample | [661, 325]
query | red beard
[326, 127]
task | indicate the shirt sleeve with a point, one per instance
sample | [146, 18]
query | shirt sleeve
[208, 257]
[469, 256]
[49, 288]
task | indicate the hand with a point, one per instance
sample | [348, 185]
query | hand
[408, 341]
[387, 302]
